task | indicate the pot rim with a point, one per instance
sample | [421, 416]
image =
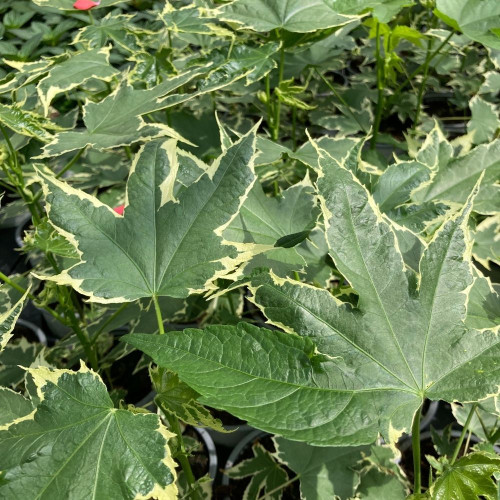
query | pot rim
[40, 334]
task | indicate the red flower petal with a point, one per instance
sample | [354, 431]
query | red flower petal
[119, 210]
[85, 4]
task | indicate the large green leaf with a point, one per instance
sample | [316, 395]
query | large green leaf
[76, 70]
[299, 16]
[76, 445]
[358, 371]
[177, 246]
[469, 477]
[117, 120]
[477, 19]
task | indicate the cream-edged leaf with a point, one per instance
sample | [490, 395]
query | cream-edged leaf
[8, 320]
[299, 16]
[167, 242]
[76, 445]
[74, 71]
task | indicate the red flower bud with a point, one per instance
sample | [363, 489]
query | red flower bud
[85, 4]
[119, 210]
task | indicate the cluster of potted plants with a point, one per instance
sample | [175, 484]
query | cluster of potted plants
[250, 249]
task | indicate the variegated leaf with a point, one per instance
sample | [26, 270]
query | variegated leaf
[8, 320]
[168, 242]
[486, 247]
[74, 71]
[453, 178]
[176, 398]
[45, 453]
[117, 121]
[27, 123]
[300, 16]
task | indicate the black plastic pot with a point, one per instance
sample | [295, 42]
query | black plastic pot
[213, 461]
[35, 334]
[455, 129]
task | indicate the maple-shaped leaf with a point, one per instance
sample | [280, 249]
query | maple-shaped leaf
[342, 374]
[301, 16]
[469, 477]
[74, 444]
[168, 241]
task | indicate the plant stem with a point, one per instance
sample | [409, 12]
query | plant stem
[481, 421]
[128, 151]
[415, 440]
[269, 104]
[462, 435]
[161, 329]
[172, 420]
[342, 100]
[467, 443]
[494, 436]
[277, 108]
[417, 71]
[70, 163]
[380, 87]
[424, 80]
[84, 340]
[294, 128]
